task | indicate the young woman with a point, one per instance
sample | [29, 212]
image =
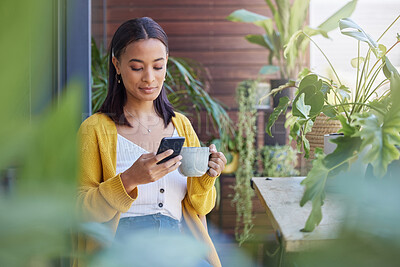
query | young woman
[121, 184]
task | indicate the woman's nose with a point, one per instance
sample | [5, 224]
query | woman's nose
[148, 76]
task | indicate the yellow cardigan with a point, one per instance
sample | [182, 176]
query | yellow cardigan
[103, 196]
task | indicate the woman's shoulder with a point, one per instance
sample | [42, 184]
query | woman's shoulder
[97, 121]
[179, 117]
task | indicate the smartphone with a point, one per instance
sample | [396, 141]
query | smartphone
[174, 143]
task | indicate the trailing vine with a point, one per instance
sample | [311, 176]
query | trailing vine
[247, 153]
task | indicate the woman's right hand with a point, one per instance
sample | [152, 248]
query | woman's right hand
[146, 170]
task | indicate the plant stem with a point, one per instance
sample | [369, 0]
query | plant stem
[374, 75]
[337, 97]
[330, 64]
[378, 86]
[371, 81]
[358, 70]
[361, 104]
[388, 28]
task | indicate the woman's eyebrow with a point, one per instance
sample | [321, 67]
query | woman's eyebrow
[141, 61]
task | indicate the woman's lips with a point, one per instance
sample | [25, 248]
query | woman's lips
[148, 90]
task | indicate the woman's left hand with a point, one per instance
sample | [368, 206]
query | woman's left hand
[217, 162]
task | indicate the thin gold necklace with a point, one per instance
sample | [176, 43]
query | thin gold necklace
[148, 130]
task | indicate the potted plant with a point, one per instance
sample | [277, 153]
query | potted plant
[247, 153]
[278, 161]
[370, 120]
[287, 19]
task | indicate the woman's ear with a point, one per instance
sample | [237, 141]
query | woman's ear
[116, 65]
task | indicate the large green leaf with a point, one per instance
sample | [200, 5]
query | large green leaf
[259, 39]
[291, 47]
[315, 192]
[350, 28]
[380, 138]
[243, 15]
[332, 22]
[283, 9]
[310, 86]
[346, 129]
[388, 68]
[301, 107]
[298, 15]
[324, 167]
[282, 107]
[269, 69]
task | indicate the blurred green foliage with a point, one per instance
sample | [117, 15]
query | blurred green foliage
[38, 153]
[37, 141]
[278, 161]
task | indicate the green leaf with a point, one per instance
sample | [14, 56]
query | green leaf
[298, 15]
[315, 192]
[380, 138]
[243, 15]
[346, 147]
[269, 69]
[282, 106]
[381, 50]
[314, 31]
[260, 40]
[291, 46]
[311, 87]
[325, 88]
[357, 62]
[329, 111]
[344, 92]
[332, 22]
[304, 72]
[346, 129]
[301, 108]
[282, 17]
[388, 68]
[350, 28]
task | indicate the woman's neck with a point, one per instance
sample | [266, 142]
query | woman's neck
[140, 110]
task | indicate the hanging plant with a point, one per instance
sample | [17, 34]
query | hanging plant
[247, 153]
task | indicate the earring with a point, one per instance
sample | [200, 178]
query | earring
[118, 77]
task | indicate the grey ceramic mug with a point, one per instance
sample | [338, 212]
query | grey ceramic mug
[194, 161]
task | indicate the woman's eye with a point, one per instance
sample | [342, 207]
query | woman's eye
[158, 68]
[136, 69]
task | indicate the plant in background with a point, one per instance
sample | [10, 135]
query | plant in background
[278, 161]
[287, 20]
[99, 69]
[247, 153]
[186, 84]
[369, 116]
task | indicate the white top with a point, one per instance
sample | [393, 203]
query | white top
[163, 196]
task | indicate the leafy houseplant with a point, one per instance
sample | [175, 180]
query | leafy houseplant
[287, 20]
[278, 161]
[247, 153]
[370, 124]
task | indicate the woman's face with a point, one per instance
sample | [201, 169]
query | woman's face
[143, 67]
